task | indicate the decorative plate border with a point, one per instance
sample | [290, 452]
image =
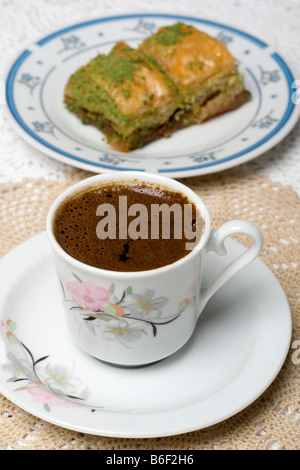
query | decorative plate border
[205, 160]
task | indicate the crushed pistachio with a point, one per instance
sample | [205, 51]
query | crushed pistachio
[126, 93]
[172, 35]
[195, 65]
[117, 67]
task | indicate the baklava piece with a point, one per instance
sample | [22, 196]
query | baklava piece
[201, 66]
[124, 95]
[176, 78]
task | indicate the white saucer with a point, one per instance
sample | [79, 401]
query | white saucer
[238, 348]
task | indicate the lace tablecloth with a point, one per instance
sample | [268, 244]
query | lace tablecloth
[274, 21]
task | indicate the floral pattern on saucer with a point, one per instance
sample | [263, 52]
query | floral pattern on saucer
[47, 383]
[125, 319]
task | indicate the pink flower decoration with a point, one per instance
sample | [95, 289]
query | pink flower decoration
[88, 295]
[42, 396]
[193, 288]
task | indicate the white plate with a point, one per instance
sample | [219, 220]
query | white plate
[35, 88]
[236, 351]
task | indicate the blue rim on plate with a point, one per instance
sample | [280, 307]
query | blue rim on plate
[193, 162]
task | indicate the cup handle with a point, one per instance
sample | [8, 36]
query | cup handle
[216, 243]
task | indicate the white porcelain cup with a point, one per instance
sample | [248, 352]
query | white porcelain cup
[136, 318]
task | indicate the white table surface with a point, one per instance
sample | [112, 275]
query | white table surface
[276, 22]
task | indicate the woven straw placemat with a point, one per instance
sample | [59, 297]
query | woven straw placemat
[272, 421]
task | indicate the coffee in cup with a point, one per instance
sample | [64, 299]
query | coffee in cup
[127, 226]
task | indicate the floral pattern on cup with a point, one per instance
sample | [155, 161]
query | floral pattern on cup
[124, 319]
[87, 295]
[46, 383]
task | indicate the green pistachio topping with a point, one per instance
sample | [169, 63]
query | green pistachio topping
[126, 93]
[171, 35]
[117, 67]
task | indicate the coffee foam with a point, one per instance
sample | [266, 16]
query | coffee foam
[75, 224]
